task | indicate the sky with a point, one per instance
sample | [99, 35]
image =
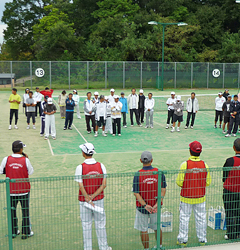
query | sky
[2, 25]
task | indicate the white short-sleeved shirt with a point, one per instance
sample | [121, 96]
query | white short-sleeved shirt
[170, 101]
[78, 173]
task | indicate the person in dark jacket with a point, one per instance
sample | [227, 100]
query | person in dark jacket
[231, 192]
[226, 94]
[234, 119]
[141, 105]
[226, 113]
[69, 112]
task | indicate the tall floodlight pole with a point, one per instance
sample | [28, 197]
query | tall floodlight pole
[163, 29]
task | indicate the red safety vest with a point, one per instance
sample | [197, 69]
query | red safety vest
[16, 168]
[92, 180]
[194, 184]
[148, 187]
[232, 183]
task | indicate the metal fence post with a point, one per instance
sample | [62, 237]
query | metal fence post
[69, 75]
[9, 212]
[31, 72]
[141, 76]
[207, 75]
[11, 73]
[191, 75]
[159, 209]
[87, 74]
[123, 75]
[175, 76]
[50, 74]
[223, 75]
[105, 75]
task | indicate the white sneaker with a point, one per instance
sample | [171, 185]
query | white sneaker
[10, 127]
[173, 130]
[89, 132]
[45, 138]
[28, 127]
[79, 117]
[234, 135]
[16, 127]
[25, 236]
[109, 248]
[227, 135]
[113, 134]
[119, 134]
[151, 127]
[41, 135]
[178, 130]
[225, 237]
[224, 132]
[186, 127]
[125, 126]
[96, 134]
[104, 134]
[34, 127]
[131, 125]
[140, 125]
[146, 126]
[191, 127]
[167, 126]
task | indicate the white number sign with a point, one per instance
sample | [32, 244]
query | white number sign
[216, 73]
[39, 72]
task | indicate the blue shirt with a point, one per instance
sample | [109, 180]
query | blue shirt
[124, 104]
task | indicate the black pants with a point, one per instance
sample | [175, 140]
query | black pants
[116, 122]
[232, 209]
[141, 114]
[38, 107]
[189, 117]
[124, 118]
[68, 119]
[218, 114]
[88, 118]
[170, 116]
[24, 200]
[136, 115]
[29, 115]
[236, 123]
[13, 111]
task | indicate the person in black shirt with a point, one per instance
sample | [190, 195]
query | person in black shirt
[234, 112]
[226, 94]
[226, 113]
[141, 105]
[231, 193]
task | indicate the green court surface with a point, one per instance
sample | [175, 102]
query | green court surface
[55, 209]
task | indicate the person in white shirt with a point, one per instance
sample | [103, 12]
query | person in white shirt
[89, 110]
[96, 98]
[116, 115]
[149, 105]
[169, 103]
[133, 100]
[110, 97]
[37, 96]
[108, 126]
[218, 109]
[100, 116]
[25, 97]
[192, 109]
[76, 100]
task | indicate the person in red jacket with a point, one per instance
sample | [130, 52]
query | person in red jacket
[18, 166]
[91, 176]
[47, 92]
[231, 192]
[145, 189]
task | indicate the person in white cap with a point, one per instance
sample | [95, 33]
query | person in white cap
[116, 115]
[110, 97]
[169, 103]
[218, 109]
[101, 115]
[178, 113]
[149, 105]
[133, 106]
[49, 110]
[96, 98]
[91, 196]
[76, 100]
[141, 105]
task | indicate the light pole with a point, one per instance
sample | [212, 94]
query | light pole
[164, 26]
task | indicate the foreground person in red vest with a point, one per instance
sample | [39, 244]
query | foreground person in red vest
[18, 166]
[91, 176]
[231, 193]
[193, 178]
[145, 189]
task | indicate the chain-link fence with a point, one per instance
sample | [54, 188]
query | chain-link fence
[97, 75]
[57, 223]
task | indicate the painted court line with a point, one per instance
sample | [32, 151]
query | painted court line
[159, 124]
[50, 146]
[80, 133]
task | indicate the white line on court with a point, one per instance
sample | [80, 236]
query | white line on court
[158, 124]
[50, 146]
[80, 133]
